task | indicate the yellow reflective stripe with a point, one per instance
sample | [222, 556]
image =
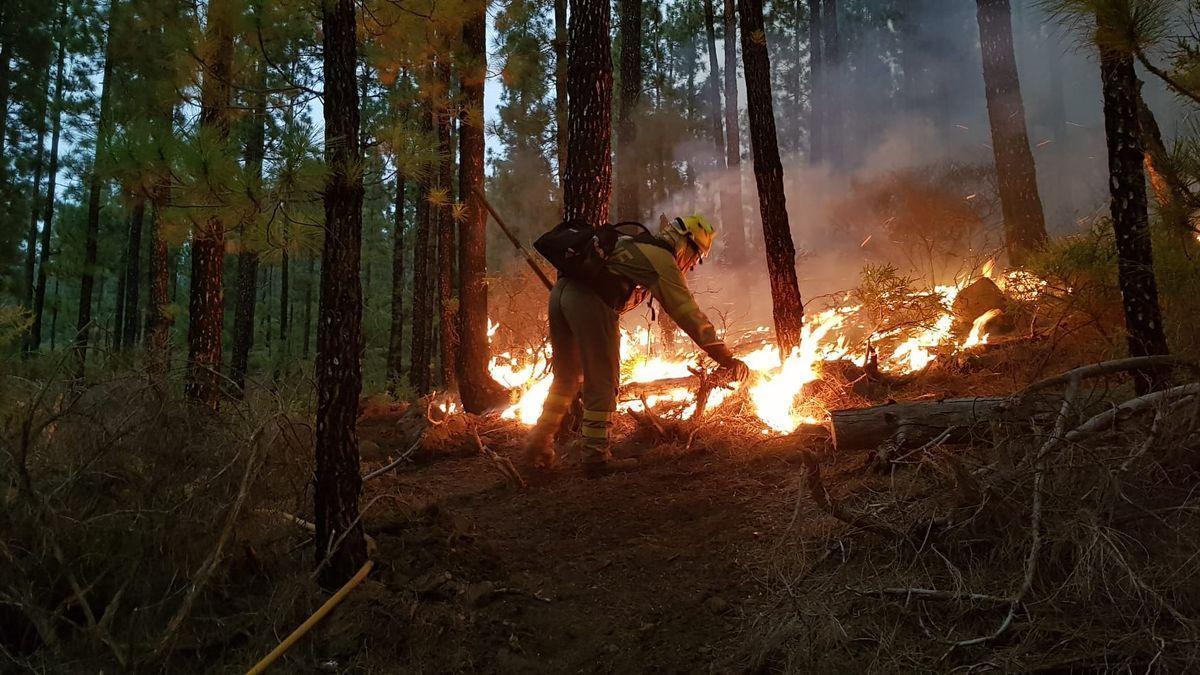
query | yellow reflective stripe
[597, 416]
[594, 432]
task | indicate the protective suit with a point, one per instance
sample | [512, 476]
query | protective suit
[585, 333]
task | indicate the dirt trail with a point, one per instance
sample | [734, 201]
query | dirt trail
[650, 570]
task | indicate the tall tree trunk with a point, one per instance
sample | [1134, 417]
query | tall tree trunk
[1127, 184]
[1024, 221]
[31, 239]
[158, 319]
[5, 95]
[629, 175]
[39, 295]
[560, 86]
[248, 258]
[339, 535]
[422, 315]
[588, 184]
[478, 390]
[1175, 201]
[768, 173]
[713, 89]
[816, 84]
[87, 282]
[118, 331]
[833, 122]
[284, 302]
[133, 272]
[54, 319]
[444, 213]
[396, 332]
[731, 186]
[206, 301]
[309, 272]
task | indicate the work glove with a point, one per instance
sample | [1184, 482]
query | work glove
[736, 370]
[731, 368]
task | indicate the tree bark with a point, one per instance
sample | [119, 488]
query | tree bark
[396, 332]
[248, 258]
[422, 315]
[87, 282]
[788, 308]
[118, 330]
[560, 86]
[588, 183]
[1175, 201]
[1127, 186]
[1024, 221]
[284, 295]
[479, 392]
[31, 239]
[206, 301]
[133, 273]
[816, 85]
[39, 295]
[309, 272]
[339, 535]
[713, 89]
[731, 187]
[444, 214]
[629, 175]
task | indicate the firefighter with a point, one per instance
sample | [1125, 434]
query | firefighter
[585, 337]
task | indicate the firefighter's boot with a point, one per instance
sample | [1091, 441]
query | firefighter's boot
[539, 447]
[597, 458]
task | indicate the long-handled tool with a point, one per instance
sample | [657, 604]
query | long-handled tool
[537, 269]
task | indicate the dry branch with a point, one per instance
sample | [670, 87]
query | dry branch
[816, 487]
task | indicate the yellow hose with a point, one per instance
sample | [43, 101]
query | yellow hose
[312, 620]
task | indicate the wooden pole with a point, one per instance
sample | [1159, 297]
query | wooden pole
[515, 242]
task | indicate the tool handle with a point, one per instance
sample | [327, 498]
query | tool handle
[537, 269]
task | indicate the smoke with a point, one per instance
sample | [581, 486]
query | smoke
[914, 135]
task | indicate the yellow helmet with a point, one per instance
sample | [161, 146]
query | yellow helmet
[697, 230]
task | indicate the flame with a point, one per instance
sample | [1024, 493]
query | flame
[977, 336]
[988, 268]
[775, 391]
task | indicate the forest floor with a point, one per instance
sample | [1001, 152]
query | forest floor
[655, 569]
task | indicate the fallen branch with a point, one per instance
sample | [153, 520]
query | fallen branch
[394, 463]
[1108, 418]
[502, 463]
[817, 488]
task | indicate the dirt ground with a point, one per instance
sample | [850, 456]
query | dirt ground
[650, 570]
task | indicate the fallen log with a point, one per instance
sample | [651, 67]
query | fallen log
[913, 423]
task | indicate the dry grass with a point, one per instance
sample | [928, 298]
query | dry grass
[1029, 548]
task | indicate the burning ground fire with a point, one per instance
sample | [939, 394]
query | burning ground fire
[775, 389]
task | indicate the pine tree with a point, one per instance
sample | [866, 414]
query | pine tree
[731, 186]
[248, 255]
[206, 300]
[339, 537]
[768, 173]
[560, 86]
[39, 296]
[478, 390]
[83, 323]
[1127, 185]
[588, 183]
[1024, 222]
[396, 327]
[628, 167]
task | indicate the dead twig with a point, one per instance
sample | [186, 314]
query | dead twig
[1108, 418]
[502, 463]
[817, 487]
[396, 462]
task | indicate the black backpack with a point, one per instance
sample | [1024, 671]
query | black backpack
[579, 251]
